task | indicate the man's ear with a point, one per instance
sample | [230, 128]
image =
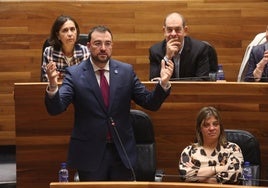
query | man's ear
[186, 30]
[164, 29]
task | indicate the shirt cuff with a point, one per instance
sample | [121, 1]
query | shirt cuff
[166, 87]
[51, 93]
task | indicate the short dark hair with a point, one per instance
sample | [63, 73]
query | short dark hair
[58, 23]
[99, 28]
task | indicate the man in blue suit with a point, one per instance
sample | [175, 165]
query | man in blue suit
[95, 148]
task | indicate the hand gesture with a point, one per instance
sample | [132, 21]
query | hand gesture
[52, 73]
[166, 72]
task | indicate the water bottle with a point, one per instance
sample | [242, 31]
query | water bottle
[63, 173]
[220, 74]
[247, 174]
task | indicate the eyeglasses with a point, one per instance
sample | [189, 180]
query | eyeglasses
[176, 29]
[100, 44]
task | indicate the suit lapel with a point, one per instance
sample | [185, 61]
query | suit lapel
[114, 78]
[184, 54]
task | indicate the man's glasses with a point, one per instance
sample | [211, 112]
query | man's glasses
[176, 29]
[100, 44]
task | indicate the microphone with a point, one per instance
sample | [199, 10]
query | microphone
[200, 78]
[159, 177]
[253, 179]
[123, 148]
[180, 176]
[255, 78]
[211, 77]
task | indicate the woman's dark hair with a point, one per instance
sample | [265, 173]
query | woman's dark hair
[53, 39]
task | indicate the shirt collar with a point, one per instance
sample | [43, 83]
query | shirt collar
[96, 68]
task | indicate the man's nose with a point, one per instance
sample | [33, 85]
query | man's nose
[103, 47]
[173, 32]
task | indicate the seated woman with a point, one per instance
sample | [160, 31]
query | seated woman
[64, 50]
[212, 159]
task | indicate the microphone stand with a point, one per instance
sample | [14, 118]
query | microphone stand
[211, 77]
[123, 148]
[253, 179]
[201, 78]
[160, 177]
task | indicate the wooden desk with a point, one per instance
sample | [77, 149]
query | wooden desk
[139, 185]
[42, 140]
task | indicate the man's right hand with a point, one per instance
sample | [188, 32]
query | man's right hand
[52, 75]
[173, 47]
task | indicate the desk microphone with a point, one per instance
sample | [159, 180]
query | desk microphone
[210, 77]
[255, 78]
[180, 176]
[160, 176]
[123, 148]
[201, 78]
[253, 179]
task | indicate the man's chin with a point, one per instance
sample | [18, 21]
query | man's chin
[103, 60]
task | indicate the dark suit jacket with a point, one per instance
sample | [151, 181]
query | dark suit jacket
[92, 119]
[194, 61]
[255, 56]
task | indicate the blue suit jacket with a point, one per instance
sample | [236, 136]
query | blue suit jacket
[255, 56]
[92, 119]
[194, 59]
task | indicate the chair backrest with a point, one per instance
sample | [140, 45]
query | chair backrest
[145, 142]
[83, 38]
[8, 174]
[213, 58]
[250, 148]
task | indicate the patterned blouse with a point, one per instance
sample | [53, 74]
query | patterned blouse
[230, 155]
[50, 54]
